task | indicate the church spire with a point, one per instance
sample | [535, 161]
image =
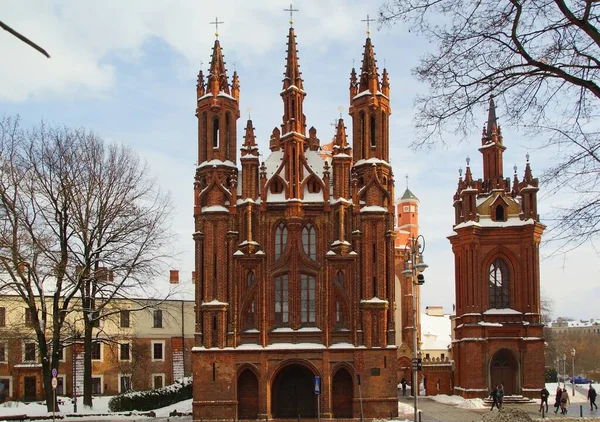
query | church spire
[217, 76]
[292, 67]
[492, 123]
[292, 93]
[369, 79]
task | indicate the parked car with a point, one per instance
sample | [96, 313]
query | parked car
[582, 380]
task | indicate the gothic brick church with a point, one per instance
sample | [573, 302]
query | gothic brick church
[295, 256]
[496, 238]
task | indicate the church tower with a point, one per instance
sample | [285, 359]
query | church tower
[495, 240]
[294, 257]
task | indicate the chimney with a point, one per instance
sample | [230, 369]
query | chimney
[174, 276]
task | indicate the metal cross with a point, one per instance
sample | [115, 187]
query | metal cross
[368, 21]
[291, 10]
[216, 24]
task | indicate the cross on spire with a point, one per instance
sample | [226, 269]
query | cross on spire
[216, 24]
[368, 21]
[291, 10]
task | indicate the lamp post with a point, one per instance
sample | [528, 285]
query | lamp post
[573, 370]
[564, 370]
[413, 267]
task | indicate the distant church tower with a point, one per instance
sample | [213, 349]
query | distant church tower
[495, 240]
[294, 256]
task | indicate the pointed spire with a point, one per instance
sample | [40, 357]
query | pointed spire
[217, 78]
[515, 187]
[528, 177]
[292, 67]
[369, 79]
[385, 83]
[235, 86]
[468, 174]
[492, 123]
[200, 85]
[353, 84]
[249, 138]
[340, 136]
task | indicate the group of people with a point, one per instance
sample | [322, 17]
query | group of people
[497, 396]
[562, 400]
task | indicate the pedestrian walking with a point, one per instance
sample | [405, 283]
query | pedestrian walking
[564, 401]
[494, 396]
[403, 383]
[592, 397]
[544, 399]
[557, 399]
[500, 395]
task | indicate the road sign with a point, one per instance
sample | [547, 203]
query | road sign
[317, 385]
[54, 383]
[54, 372]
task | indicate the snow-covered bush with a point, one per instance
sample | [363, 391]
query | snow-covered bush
[152, 399]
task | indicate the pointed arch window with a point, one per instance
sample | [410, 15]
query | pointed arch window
[340, 278]
[281, 300]
[340, 321]
[227, 134]
[216, 134]
[250, 278]
[276, 185]
[250, 317]
[499, 284]
[373, 131]
[363, 133]
[204, 135]
[307, 300]
[280, 240]
[309, 240]
[313, 186]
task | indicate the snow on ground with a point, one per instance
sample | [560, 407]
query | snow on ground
[458, 401]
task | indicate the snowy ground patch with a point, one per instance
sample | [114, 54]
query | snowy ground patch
[459, 402]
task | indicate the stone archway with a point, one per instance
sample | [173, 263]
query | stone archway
[504, 370]
[247, 395]
[293, 394]
[342, 394]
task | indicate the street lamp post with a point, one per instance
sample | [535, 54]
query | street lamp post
[413, 267]
[564, 370]
[573, 370]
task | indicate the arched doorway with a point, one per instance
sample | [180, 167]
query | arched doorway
[247, 395]
[503, 370]
[293, 394]
[342, 394]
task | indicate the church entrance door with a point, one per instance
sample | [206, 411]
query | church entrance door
[293, 394]
[341, 394]
[503, 370]
[247, 395]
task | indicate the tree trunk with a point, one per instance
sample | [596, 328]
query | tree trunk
[87, 363]
[47, 374]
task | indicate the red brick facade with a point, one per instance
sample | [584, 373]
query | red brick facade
[295, 257]
[498, 334]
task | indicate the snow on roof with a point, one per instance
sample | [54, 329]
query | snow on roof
[373, 208]
[487, 222]
[502, 311]
[372, 161]
[435, 332]
[216, 162]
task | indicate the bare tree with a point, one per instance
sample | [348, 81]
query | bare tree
[540, 60]
[24, 39]
[79, 220]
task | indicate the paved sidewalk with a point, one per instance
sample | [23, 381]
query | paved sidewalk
[433, 411]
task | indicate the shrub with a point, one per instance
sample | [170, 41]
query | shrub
[152, 399]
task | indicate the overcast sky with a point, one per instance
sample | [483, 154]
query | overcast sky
[127, 70]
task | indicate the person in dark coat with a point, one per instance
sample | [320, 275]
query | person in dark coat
[500, 395]
[544, 399]
[592, 397]
[403, 383]
[557, 399]
[494, 396]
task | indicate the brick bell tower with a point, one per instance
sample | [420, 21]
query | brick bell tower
[495, 240]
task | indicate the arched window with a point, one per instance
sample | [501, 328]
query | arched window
[280, 240]
[313, 186]
[499, 284]
[340, 322]
[500, 213]
[204, 135]
[250, 319]
[281, 300]
[307, 299]
[250, 278]
[340, 278]
[363, 134]
[227, 135]
[373, 132]
[216, 129]
[276, 185]
[309, 239]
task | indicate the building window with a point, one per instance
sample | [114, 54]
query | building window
[158, 319]
[124, 383]
[309, 240]
[427, 356]
[60, 388]
[500, 213]
[124, 318]
[28, 317]
[29, 353]
[307, 299]
[124, 351]
[158, 351]
[281, 300]
[61, 353]
[2, 316]
[250, 278]
[340, 278]
[97, 351]
[280, 240]
[2, 352]
[499, 284]
[339, 316]
[373, 131]
[443, 356]
[216, 134]
[97, 385]
[158, 381]
[313, 186]
[276, 186]
[250, 323]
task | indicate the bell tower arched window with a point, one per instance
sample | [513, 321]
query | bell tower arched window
[373, 132]
[499, 284]
[216, 134]
[280, 240]
[250, 278]
[309, 240]
[227, 134]
[307, 299]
